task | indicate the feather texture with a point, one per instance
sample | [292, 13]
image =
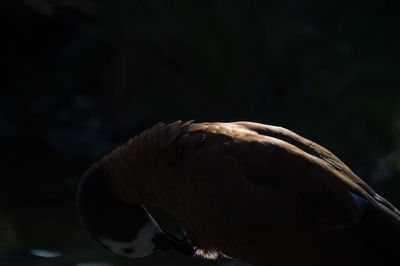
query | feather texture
[256, 192]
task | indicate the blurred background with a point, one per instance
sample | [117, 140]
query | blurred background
[81, 77]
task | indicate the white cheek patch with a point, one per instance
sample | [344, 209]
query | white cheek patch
[140, 246]
[119, 248]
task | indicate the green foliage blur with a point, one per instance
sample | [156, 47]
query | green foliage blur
[81, 77]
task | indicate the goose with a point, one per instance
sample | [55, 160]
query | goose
[248, 191]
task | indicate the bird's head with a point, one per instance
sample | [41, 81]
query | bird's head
[121, 228]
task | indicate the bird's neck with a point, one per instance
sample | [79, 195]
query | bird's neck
[140, 169]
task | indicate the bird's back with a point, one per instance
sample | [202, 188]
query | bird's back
[260, 193]
[291, 197]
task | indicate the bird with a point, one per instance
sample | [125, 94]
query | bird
[244, 190]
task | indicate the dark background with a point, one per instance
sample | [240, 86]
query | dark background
[80, 77]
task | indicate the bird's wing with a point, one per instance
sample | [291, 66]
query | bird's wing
[354, 183]
[308, 147]
[274, 158]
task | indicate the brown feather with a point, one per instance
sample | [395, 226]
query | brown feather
[255, 192]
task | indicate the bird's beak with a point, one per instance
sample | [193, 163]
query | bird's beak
[170, 241]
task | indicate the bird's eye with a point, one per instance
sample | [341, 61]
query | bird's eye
[128, 250]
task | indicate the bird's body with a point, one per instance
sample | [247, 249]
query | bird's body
[259, 193]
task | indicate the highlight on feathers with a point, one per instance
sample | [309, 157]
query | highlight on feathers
[255, 192]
